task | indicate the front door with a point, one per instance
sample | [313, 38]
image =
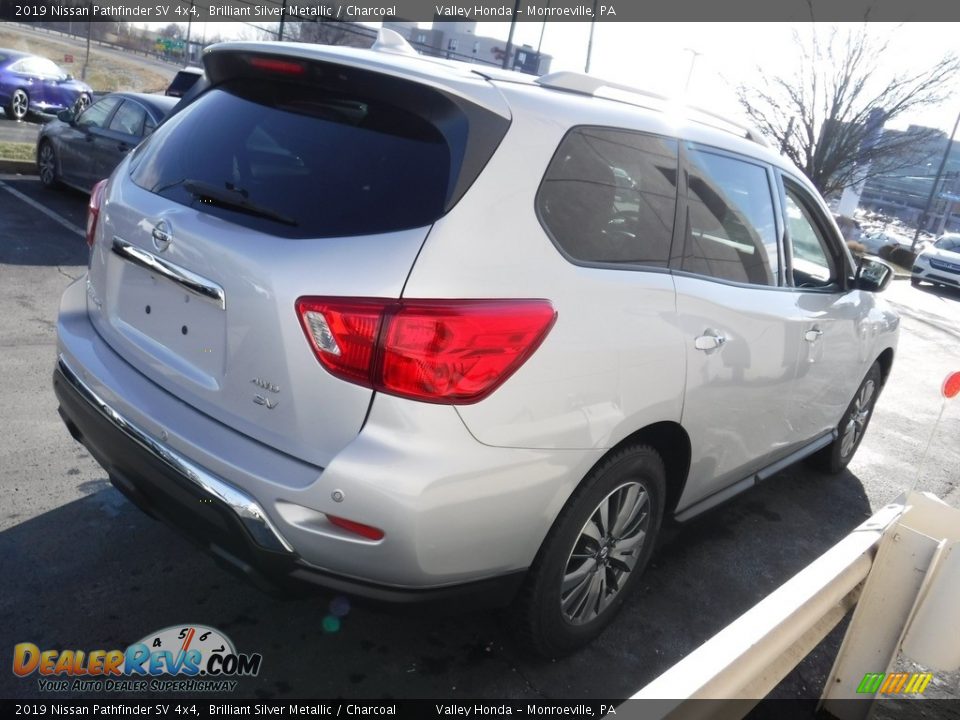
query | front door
[829, 318]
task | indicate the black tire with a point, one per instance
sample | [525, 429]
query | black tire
[47, 165]
[838, 454]
[81, 103]
[631, 480]
[914, 282]
[19, 105]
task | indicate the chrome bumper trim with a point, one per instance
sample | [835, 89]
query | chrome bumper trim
[248, 510]
[198, 285]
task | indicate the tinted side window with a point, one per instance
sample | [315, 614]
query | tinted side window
[96, 114]
[730, 222]
[128, 119]
[813, 265]
[610, 196]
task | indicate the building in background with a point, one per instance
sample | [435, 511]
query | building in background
[904, 194]
[460, 41]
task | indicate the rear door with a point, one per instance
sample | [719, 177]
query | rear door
[119, 137]
[287, 179]
[733, 312]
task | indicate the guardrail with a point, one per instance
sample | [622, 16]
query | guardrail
[900, 570]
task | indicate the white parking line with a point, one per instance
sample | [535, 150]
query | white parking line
[44, 209]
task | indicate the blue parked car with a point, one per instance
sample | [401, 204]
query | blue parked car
[29, 83]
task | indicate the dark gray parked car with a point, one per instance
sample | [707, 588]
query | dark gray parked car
[80, 150]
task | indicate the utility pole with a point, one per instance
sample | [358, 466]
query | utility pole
[543, 29]
[283, 16]
[933, 190]
[83, 71]
[189, 25]
[593, 22]
[513, 26]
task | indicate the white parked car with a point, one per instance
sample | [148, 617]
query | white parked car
[939, 263]
[401, 328]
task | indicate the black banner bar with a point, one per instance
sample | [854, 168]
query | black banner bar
[266, 11]
[183, 708]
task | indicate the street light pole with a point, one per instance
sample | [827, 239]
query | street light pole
[693, 59]
[593, 22]
[933, 190]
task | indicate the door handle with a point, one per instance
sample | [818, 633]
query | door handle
[813, 334]
[710, 340]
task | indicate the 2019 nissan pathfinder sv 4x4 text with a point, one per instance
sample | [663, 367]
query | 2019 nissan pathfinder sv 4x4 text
[415, 329]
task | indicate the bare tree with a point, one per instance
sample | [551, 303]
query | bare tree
[821, 115]
[327, 32]
[172, 31]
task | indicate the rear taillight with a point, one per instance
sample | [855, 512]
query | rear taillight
[443, 351]
[93, 210]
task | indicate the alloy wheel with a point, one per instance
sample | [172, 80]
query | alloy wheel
[19, 104]
[47, 165]
[605, 553]
[859, 415]
[83, 102]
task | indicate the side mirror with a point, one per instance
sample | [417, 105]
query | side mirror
[69, 77]
[65, 116]
[873, 275]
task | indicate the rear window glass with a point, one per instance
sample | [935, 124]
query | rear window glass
[294, 161]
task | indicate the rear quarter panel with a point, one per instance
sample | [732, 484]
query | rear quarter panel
[614, 361]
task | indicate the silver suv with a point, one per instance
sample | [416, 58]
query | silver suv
[413, 329]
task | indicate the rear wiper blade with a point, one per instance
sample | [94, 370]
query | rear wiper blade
[234, 199]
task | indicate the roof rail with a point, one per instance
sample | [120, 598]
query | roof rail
[583, 84]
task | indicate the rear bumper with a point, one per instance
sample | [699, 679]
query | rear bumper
[460, 518]
[218, 516]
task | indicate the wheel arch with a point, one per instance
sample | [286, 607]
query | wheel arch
[885, 360]
[672, 444]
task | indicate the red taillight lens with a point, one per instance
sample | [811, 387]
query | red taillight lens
[367, 531]
[343, 334]
[93, 210]
[445, 351]
[462, 351]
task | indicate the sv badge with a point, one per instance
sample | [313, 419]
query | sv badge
[265, 401]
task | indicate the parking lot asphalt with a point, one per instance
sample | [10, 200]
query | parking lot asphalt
[83, 568]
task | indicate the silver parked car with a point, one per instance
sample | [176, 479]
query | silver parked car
[396, 326]
[939, 263]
